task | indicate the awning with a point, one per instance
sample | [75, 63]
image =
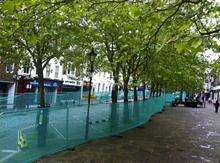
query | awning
[9, 82]
[71, 86]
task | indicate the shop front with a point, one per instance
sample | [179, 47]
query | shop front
[7, 90]
[69, 86]
[31, 85]
[215, 93]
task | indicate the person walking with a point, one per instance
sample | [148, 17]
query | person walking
[203, 100]
[210, 100]
[216, 106]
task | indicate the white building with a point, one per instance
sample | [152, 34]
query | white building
[55, 73]
[102, 82]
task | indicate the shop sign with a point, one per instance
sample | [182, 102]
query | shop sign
[46, 83]
[69, 83]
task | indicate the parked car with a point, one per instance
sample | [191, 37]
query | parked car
[177, 101]
[192, 103]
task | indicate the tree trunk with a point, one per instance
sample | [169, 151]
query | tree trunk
[42, 125]
[181, 96]
[160, 93]
[126, 91]
[157, 91]
[135, 87]
[43, 112]
[152, 90]
[115, 94]
[41, 86]
[144, 87]
[135, 93]
[115, 87]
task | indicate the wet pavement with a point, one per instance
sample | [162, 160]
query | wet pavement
[177, 135]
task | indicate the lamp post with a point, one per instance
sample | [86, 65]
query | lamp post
[92, 55]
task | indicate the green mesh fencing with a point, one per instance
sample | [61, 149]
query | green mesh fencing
[31, 100]
[28, 135]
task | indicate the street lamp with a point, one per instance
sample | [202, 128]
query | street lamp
[92, 55]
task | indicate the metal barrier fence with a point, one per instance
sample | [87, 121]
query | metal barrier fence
[28, 135]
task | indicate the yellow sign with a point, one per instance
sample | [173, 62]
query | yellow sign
[21, 140]
[92, 97]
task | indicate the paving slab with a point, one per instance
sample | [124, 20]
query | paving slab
[179, 134]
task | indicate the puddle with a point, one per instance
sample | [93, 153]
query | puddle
[206, 146]
[209, 123]
[211, 133]
[197, 126]
[201, 158]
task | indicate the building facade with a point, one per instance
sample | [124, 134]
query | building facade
[213, 87]
[7, 84]
[61, 78]
[7, 79]
[56, 79]
[102, 82]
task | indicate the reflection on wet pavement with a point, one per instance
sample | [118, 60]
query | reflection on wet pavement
[178, 135]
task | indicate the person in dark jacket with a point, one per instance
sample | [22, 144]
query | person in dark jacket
[216, 106]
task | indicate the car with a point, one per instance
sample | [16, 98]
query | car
[192, 103]
[176, 102]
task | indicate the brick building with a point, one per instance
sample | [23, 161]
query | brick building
[7, 81]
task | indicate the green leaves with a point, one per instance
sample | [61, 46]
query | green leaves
[180, 47]
[9, 6]
[196, 43]
[145, 39]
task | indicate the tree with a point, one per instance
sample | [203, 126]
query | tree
[38, 40]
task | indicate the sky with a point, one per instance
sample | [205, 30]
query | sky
[211, 56]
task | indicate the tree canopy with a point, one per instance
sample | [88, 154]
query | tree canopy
[158, 43]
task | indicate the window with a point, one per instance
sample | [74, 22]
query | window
[26, 69]
[55, 61]
[64, 70]
[103, 87]
[77, 73]
[68, 70]
[48, 71]
[56, 71]
[9, 68]
[99, 87]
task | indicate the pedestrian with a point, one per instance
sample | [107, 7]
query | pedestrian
[203, 100]
[210, 100]
[216, 106]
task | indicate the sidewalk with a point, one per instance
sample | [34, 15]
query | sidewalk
[177, 135]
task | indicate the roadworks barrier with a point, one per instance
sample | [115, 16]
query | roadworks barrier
[28, 135]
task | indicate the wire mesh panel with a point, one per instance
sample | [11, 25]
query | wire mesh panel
[28, 135]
